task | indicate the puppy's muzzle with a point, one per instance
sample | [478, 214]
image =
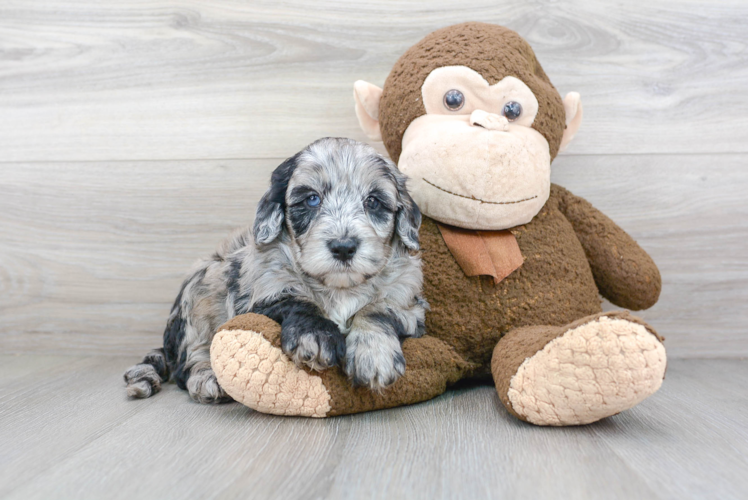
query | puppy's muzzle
[343, 249]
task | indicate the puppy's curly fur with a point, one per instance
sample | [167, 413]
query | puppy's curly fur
[333, 257]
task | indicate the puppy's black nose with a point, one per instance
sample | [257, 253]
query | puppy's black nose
[343, 249]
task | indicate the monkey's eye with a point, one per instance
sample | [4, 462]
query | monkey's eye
[372, 203]
[313, 200]
[454, 100]
[512, 110]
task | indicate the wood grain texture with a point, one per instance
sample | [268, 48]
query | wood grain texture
[87, 80]
[51, 414]
[135, 135]
[73, 434]
[690, 213]
[92, 254]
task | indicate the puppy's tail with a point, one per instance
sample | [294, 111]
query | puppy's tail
[144, 379]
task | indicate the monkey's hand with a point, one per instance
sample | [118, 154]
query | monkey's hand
[624, 273]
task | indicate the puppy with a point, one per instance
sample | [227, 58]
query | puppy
[332, 257]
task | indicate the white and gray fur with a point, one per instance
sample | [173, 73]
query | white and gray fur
[340, 272]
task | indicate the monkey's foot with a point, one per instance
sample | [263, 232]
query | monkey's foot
[580, 373]
[250, 366]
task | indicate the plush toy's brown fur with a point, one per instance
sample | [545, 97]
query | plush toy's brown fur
[555, 358]
[493, 51]
[554, 286]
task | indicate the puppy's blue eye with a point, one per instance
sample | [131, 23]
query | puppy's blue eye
[313, 200]
[512, 110]
[372, 203]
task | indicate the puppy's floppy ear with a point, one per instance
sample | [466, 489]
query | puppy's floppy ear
[271, 210]
[408, 220]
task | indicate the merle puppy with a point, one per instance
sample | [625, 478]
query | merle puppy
[332, 257]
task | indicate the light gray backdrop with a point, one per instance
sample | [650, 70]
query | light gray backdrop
[134, 136]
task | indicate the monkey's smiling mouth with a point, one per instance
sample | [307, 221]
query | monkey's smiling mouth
[477, 199]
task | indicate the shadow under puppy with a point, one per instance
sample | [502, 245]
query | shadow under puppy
[332, 257]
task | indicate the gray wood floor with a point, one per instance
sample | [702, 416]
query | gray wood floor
[68, 431]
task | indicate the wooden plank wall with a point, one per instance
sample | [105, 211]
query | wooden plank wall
[134, 135]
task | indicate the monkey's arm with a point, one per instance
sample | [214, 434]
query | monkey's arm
[624, 273]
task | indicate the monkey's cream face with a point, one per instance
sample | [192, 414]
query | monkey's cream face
[473, 159]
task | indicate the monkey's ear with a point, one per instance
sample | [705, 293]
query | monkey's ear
[573, 109]
[271, 211]
[367, 98]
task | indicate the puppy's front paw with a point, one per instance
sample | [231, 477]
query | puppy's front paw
[315, 342]
[374, 359]
[203, 387]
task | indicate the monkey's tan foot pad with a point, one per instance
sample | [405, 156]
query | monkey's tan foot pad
[250, 366]
[589, 370]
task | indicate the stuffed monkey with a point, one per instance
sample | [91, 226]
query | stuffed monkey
[513, 265]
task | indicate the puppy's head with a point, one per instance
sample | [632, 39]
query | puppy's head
[345, 209]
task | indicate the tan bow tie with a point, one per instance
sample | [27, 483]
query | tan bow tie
[483, 253]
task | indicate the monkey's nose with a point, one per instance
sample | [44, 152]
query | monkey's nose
[343, 249]
[489, 121]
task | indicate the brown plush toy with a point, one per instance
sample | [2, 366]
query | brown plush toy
[513, 265]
